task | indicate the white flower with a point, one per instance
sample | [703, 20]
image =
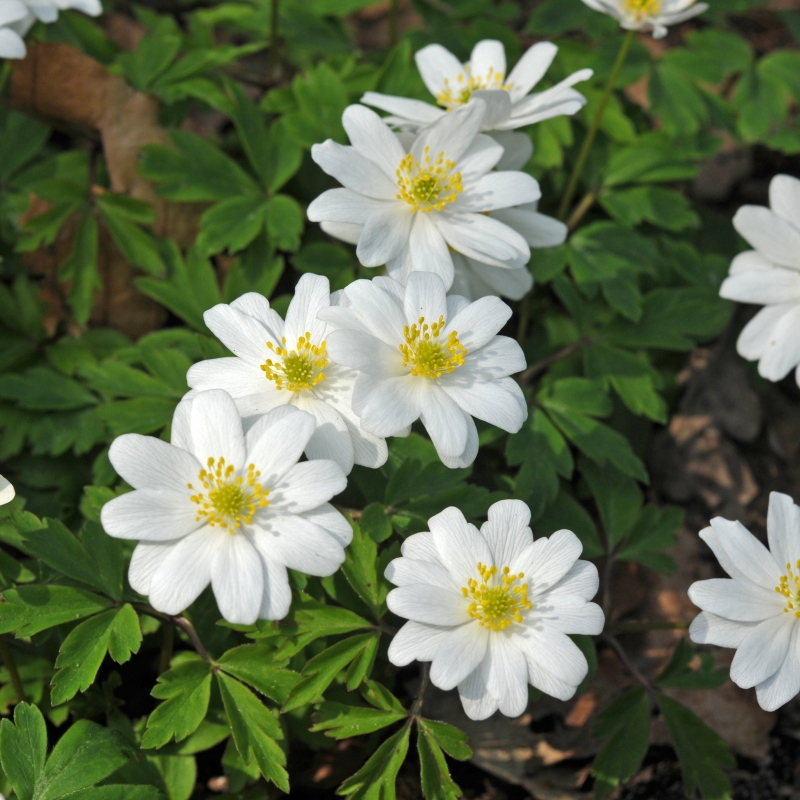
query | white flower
[17, 17]
[281, 363]
[415, 203]
[454, 84]
[472, 278]
[492, 608]
[757, 609]
[654, 15]
[223, 507]
[770, 275]
[6, 491]
[422, 355]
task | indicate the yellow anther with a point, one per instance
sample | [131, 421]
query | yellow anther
[429, 186]
[641, 9]
[228, 500]
[496, 603]
[297, 369]
[791, 593]
[452, 96]
[427, 354]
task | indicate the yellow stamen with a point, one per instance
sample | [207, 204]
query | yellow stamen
[459, 94]
[297, 369]
[427, 354]
[789, 587]
[228, 499]
[430, 186]
[641, 9]
[497, 601]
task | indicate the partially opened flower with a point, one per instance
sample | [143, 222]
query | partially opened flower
[491, 608]
[17, 17]
[649, 15]
[473, 278]
[279, 363]
[227, 508]
[414, 204]
[454, 84]
[6, 491]
[770, 275]
[756, 610]
[422, 355]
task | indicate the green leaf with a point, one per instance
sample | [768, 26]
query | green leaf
[378, 696]
[376, 779]
[702, 753]
[231, 224]
[86, 754]
[23, 748]
[321, 670]
[360, 570]
[339, 721]
[452, 740]
[116, 632]
[285, 222]
[27, 610]
[254, 730]
[679, 675]
[677, 101]
[142, 415]
[566, 512]
[321, 98]
[626, 726]
[81, 269]
[435, 775]
[251, 663]
[664, 208]
[655, 530]
[137, 245]
[761, 101]
[44, 389]
[185, 690]
[618, 497]
[375, 523]
[154, 55]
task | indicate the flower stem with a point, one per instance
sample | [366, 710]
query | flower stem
[167, 643]
[274, 60]
[629, 665]
[179, 622]
[538, 366]
[11, 665]
[595, 124]
[423, 685]
[394, 12]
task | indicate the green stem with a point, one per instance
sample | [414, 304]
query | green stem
[394, 11]
[167, 643]
[423, 685]
[11, 665]
[598, 115]
[274, 60]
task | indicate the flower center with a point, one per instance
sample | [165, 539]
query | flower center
[430, 186]
[459, 94]
[228, 499]
[497, 602]
[640, 9]
[789, 587]
[427, 354]
[297, 369]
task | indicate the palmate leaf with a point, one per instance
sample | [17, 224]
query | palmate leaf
[376, 779]
[340, 721]
[436, 781]
[255, 665]
[27, 610]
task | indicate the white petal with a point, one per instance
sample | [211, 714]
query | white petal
[406, 571]
[744, 602]
[181, 428]
[483, 238]
[345, 231]
[770, 234]
[217, 428]
[784, 684]
[784, 198]
[353, 170]
[782, 353]
[582, 581]
[530, 69]
[331, 439]
[421, 547]
[479, 322]
[434, 605]
[777, 285]
[378, 311]
[306, 486]
[443, 420]
[460, 652]
[497, 106]
[783, 530]
[150, 514]
[568, 617]
[507, 530]
[237, 579]
[277, 594]
[148, 463]
[425, 297]
[366, 353]
[488, 401]
[344, 205]
[470, 452]
[554, 650]
[298, 543]
[537, 229]
[244, 382]
[428, 250]
[740, 554]
[415, 641]
[146, 559]
[749, 260]
[257, 306]
[482, 155]
[7, 492]
[437, 67]
[459, 544]
[275, 444]
[476, 699]
[242, 334]
[332, 521]
[384, 235]
[756, 334]
[451, 134]
[185, 571]
[707, 628]
[501, 357]
[391, 406]
[548, 560]
[762, 651]
[505, 672]
[11, 44]
[500, 190]
[413, 110]
[372, 139]
[312, 294]
[517, 149]
[488, 57]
